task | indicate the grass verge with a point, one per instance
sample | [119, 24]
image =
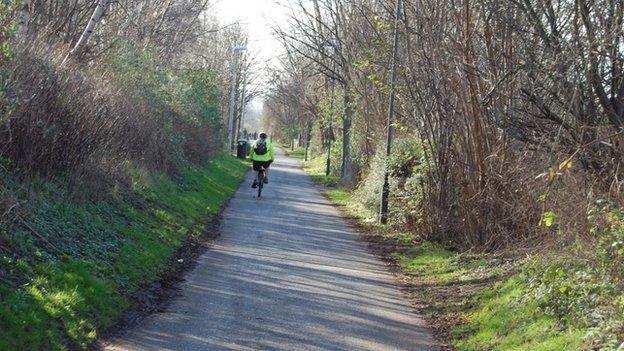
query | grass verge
[298, 152]
[68, 268]
[488, 301]
[316, 169]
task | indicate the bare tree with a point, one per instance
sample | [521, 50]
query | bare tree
[488, 87]
[93, 21]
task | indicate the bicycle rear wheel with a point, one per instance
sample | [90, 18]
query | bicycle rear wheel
[260, 182]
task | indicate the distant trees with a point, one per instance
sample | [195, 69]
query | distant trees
[318, 38]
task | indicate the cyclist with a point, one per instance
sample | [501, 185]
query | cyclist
[261, 155]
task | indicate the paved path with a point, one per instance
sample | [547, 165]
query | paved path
[286, 274]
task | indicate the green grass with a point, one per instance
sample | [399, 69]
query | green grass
[59, 293]
[340, 196]
[510, 314]
[296, 153]
[353, 208]
[504, 316]
[181, 209]
[430, 261]
[316, 169]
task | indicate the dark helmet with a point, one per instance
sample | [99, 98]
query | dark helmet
[263, 135]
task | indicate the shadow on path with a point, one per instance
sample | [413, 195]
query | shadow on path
[286, 274]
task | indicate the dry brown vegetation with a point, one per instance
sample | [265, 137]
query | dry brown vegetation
[515, 109]
[140, 93]
[509, 131]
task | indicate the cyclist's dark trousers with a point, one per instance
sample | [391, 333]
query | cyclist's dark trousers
[261, 164]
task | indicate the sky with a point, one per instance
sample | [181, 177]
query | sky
[258, 16]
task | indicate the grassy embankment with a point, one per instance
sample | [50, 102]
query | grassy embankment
[491, 302]
[70, 269]
[298, 152]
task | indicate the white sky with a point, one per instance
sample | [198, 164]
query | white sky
[258, 16]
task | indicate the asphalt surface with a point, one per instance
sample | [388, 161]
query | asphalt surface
[287, 273]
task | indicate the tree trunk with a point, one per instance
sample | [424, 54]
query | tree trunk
[93, 21]
[308, 138]
[22, 24]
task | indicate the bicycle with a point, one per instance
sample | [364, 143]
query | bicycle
[260, 181]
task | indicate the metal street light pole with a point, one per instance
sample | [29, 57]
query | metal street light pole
[237, 49]
[331, 120]
[243, 103]
[385, 192]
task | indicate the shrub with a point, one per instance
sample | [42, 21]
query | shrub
[406, 165]
[611, 245]
[90, 122]
[7, 30]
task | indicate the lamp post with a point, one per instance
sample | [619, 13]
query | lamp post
[237, 49]
[334, 45]
[385, 192]
[243, 103]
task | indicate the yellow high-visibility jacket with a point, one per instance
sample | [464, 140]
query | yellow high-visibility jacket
[269, 156]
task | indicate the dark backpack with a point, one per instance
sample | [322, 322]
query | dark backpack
[261, 147]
